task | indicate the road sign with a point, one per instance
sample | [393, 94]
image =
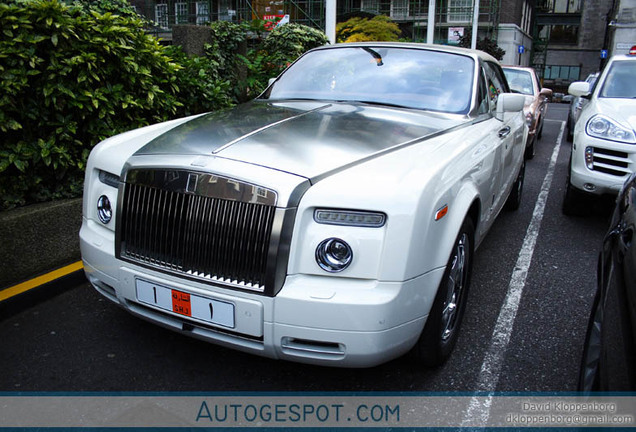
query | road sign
[521, 49]
[603, 54]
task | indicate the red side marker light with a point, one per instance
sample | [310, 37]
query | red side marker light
[632, 50]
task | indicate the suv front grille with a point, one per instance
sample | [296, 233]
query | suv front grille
[197, 225]
[607, 161]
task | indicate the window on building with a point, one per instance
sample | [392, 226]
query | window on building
[561, 6]
[372, 6]
[560, 34]
[224, 10]
[399, 9]
[203, 12]
[460, 10]
[181, 13]
[568, 73]
[526, 18]
[161, 15]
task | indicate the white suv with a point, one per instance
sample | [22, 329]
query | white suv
[604, 147]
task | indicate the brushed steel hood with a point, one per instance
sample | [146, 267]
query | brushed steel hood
[307, 139]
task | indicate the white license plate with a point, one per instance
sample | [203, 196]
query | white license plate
[182, 303]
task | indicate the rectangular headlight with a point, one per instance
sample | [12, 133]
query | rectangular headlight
[350, 218]
[109, 179]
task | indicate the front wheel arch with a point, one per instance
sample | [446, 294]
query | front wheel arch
[441, 329]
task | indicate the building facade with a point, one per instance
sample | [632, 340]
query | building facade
[569, 37]
[562, 39]
[453, 18]
[622, 27]
[516, 19]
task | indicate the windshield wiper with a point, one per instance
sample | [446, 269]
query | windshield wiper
[387, 104]
[375, 54]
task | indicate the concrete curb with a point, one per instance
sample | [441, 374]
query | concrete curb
[38, 239]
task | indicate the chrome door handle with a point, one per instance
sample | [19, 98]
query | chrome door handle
[504, 132]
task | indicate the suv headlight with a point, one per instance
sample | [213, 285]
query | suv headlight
[603, 127]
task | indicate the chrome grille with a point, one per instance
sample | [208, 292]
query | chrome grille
[167, 222]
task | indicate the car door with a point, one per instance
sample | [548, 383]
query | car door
[487, 154]
[509, 130]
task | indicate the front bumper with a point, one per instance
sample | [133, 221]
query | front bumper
[613, 162]
[313, 319]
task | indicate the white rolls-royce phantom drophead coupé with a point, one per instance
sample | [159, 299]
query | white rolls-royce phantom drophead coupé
[332, 220]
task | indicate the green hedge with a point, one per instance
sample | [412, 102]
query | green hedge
[71, 76]
[68, 79]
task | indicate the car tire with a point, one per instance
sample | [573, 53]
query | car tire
[570, 132]
[441, 330]
[575, 202]
[530, 151]
[514, 199]
[540, 131]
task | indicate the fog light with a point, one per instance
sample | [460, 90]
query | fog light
[333, 255]
[104, 210]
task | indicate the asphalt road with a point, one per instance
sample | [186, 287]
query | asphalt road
[77, 341]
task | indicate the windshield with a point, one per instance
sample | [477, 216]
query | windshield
[411, 78]
[620, 82]
[519, 81]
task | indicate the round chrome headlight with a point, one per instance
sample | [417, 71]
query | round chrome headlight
[104, 210]
[333, 255]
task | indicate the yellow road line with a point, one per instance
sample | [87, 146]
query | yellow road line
[40, 280]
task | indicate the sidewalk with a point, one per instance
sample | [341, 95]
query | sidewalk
[41, 239]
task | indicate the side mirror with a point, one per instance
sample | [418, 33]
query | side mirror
[546, 92]
[579, 88]
[509, 103]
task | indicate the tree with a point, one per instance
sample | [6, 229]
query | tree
[379, 28]
[486, 45]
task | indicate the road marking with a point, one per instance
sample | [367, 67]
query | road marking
[41, 280]
[479, 408]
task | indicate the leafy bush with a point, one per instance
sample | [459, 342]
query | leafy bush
[119, 7]
[290, 41]
[279, 49]
[201, 85]
[70, 78]
[379, 28]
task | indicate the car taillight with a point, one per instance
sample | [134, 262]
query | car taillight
[632, 50]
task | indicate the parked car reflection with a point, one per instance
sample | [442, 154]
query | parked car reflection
[609, 359]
